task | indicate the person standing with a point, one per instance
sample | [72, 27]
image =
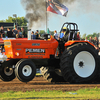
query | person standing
[86, 39]
[19, 33]
[55, 35]
[9, 33]
[15, 31]
[78, 35]
[2, 33]
[96, 43]
[37, 34]
[33, 36]
[23, 32]
[91, 40]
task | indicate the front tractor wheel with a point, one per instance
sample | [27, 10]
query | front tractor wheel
[25, 70]
[7, 74]
[79, 63]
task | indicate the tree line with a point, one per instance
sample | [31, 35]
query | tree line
[92, 35]
[22, 21]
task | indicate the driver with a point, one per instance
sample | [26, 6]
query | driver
[63, 38]
[66, 35]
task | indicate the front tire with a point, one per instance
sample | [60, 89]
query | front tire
[7, 74]
[79, 63]
[25, 70]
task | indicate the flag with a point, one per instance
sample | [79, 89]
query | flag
[56, 7]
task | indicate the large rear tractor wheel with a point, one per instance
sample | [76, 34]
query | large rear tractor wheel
[7, 74]
[52, 75]
[79, 63]
[25, 70]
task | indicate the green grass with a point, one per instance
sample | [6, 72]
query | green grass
[52, 95]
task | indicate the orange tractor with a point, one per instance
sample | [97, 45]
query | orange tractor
[76, 63]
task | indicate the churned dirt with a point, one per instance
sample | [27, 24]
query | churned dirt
[39, 83]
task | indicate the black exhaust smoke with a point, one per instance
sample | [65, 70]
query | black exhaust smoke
[36, 9]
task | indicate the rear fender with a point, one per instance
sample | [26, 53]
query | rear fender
[76, 41]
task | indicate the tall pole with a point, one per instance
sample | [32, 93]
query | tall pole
[46, 16]
[16, 21]
[15, 15]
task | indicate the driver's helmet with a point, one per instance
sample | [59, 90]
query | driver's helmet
[66, 30]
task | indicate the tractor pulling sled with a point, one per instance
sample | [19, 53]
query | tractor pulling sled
[78, 62]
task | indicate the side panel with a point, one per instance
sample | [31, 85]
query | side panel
[31, 49]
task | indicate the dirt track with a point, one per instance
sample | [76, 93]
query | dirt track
[39, 83]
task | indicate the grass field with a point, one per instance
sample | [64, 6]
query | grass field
[93, 94]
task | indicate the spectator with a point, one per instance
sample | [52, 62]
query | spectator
[15, 31]
[9, 33]
[33, 36]
[23, 32]
[37, 34]
[55, 35]
[2, 33]
[0, 50]
[78, 35]
[19, 33]
[86, 39]
[96, 43]
[91, 40]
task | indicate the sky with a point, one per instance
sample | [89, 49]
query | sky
[86, 13]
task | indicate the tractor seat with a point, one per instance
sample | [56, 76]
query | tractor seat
[72, 36]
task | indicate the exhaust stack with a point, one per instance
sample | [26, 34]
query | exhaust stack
[29, 34]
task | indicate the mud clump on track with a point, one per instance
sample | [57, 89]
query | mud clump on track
[39, 83]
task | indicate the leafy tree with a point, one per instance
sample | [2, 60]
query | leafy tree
[84, 35]
[52, 33]
[94, 35]
[89, 36]
[98, 34]
[2, 20]
[20, 20]
[41, 32]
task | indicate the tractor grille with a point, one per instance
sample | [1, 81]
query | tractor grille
[7, 43]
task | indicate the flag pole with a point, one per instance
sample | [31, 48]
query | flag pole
[46, 16]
